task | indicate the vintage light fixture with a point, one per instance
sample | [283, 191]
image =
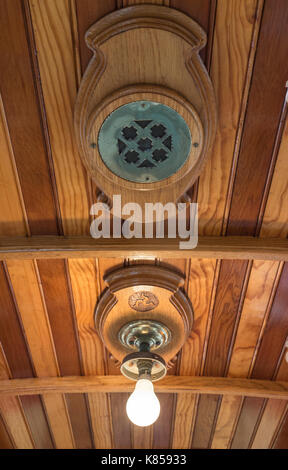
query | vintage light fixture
[145, 366]
[143, 318]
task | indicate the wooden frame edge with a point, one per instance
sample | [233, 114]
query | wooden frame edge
[170, 384]
[60, 247]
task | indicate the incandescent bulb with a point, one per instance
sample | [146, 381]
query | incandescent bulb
[143, 407]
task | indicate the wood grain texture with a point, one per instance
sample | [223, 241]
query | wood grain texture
[18, 358]
[88, 12]
[170, 384]
[253, 316]
[183, 420]
[37, 331]
[254, 311]
[227, 418]
[60, 311]
[142, 437]
[83, 277]
[266, 363]
[241, 248]
[12, 213]
[24, 120]
[122, 437]
[55, 50]
[230, 60]
[264, 109]
[201, 281]
[162, 429]
[12, 414]
[5, 440]
[269, 423]
[275, 223]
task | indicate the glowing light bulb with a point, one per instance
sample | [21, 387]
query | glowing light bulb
[143, 407]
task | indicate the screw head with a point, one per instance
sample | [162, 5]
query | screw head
[93, 145]
[195, 144]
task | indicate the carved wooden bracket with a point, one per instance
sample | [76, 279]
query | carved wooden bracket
[143, 292]
[146, 53]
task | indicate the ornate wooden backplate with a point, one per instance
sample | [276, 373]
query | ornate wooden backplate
[143, 292]
[145, 54]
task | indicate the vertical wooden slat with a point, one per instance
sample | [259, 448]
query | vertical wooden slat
[37, 331]
[88, 12]
[183, 421]
[12, 211]
[56, 293]
[83, 277]
[18, 358]
[266, 98]
[120, 420]
[274, 337]
[275, 223]
[5, 440]
[12, 413]
[254, 312]
[231, 58]
[24, 120]
[56, 55]
[225, 317]
[163, 428]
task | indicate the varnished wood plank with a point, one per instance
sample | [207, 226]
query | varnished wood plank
[83, 277]
[224, 321]
[170, 384]
[199, 10]
[61, 318]
[254, 313]
[142, 437]
[84, 247]
[270, 426]
[269, 422]
[12, 413]
[162, 428]
[183, 421]
[122, 432]
[12, 213]
[274, 337]
[201, 291]
[246, 424]
[227, 418]
[266, 98]
[35, 322]
[206, 413]
[56, 55]
[275, 220]
[18, 359]
[5, 440]
[24, 120]
[88, 12]
[57, 300]
[229, 288]
[281, 441]
[231, 58]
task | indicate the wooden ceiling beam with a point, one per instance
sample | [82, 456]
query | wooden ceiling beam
[232, 247]
[170, 384]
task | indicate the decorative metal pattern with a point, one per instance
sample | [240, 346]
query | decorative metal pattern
[143, 301]
[144, 141]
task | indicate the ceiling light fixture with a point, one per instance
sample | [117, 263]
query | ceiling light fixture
[143, 406]
[143, 318]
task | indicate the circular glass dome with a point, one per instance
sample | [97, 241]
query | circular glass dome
[144, 141]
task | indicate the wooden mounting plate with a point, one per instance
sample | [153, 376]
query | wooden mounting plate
[172, 308]
[145, 51]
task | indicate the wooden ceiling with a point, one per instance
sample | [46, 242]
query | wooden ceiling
[46, 305]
